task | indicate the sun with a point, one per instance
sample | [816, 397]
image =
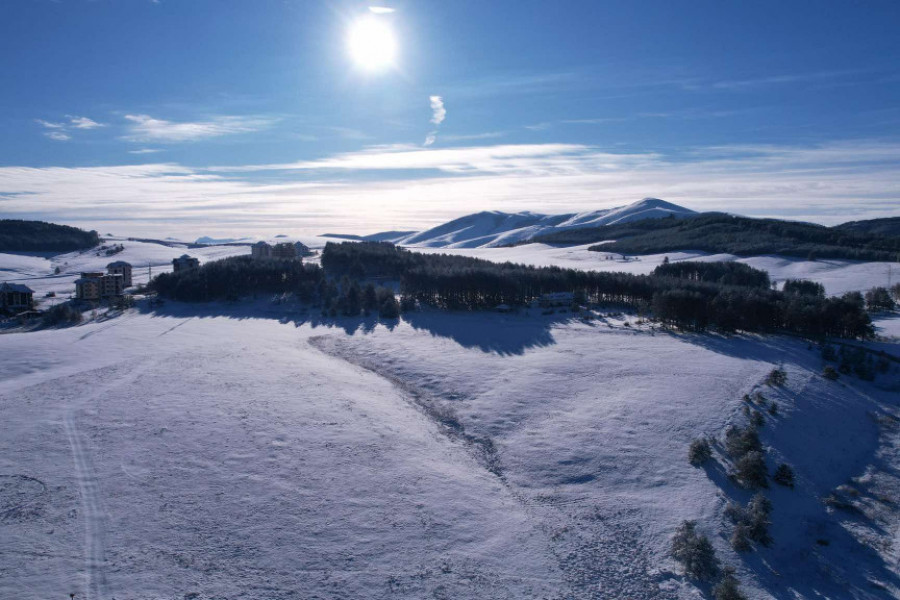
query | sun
[371, 43]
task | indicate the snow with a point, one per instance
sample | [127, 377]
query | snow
[257, 451]
[493, 228]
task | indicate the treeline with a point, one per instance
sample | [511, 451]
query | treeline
[695, 296]
[688, 302]
[889, 226]
[744, 236]
[38, 236]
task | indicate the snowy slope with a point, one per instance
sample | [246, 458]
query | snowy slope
[253, 451]
[492, 228]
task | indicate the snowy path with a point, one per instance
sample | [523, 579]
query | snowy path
[92, 512]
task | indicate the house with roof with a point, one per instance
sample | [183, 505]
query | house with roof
[15, 297]
[260, 250]
[185, 263]
[120, 267]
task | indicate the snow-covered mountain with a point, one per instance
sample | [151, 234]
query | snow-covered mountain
[493, 228]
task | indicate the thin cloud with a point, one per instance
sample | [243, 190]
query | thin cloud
[84, 123]
[49, 124]
[438, 114]
[60, 131]
[145, 151]
[381, 10]
[144, 128]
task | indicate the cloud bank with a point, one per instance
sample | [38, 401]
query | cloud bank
[408, 187]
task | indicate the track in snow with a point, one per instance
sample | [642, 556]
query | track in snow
[92, 509]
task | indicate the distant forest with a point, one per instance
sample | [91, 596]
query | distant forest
[688, 295]
[37, 236]
[743, 236]
[889, 227]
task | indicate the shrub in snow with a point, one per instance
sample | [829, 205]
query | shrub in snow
[695, 552]
[757, 419]
[62, 314]
[728, 587]
[750, 469]
[740, 538]
[699, 452]
[829, 373]
[776, 377]
[784, 475]
[751, 522]
[739, 442]
[773, 409]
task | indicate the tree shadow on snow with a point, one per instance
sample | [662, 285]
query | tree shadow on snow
[504, 334]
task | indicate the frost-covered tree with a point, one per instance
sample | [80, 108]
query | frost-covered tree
[695, 552]
[750, 469]
[739, 441]
[728, 587]
[699, 452]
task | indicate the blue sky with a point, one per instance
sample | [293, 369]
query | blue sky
[225, 117]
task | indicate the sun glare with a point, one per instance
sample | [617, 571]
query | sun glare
[372, 44]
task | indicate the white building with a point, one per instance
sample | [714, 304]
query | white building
[120, 267]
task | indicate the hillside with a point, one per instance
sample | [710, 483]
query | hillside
[494, 228]
[889, 227]
[251, 451]
[38, 236]
[722, 233]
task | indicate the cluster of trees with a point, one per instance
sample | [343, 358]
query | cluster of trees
[717, 232]
[61, 315]
[232, 278]
[878, 299]
[688, 295]
[350, 298]
[723, 273]
[696, 554]
[235, 277]
[853, 360]
[38, 236]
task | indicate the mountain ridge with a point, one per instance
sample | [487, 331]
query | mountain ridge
[495, 228]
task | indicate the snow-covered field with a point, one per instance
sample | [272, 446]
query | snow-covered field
[253, 451]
